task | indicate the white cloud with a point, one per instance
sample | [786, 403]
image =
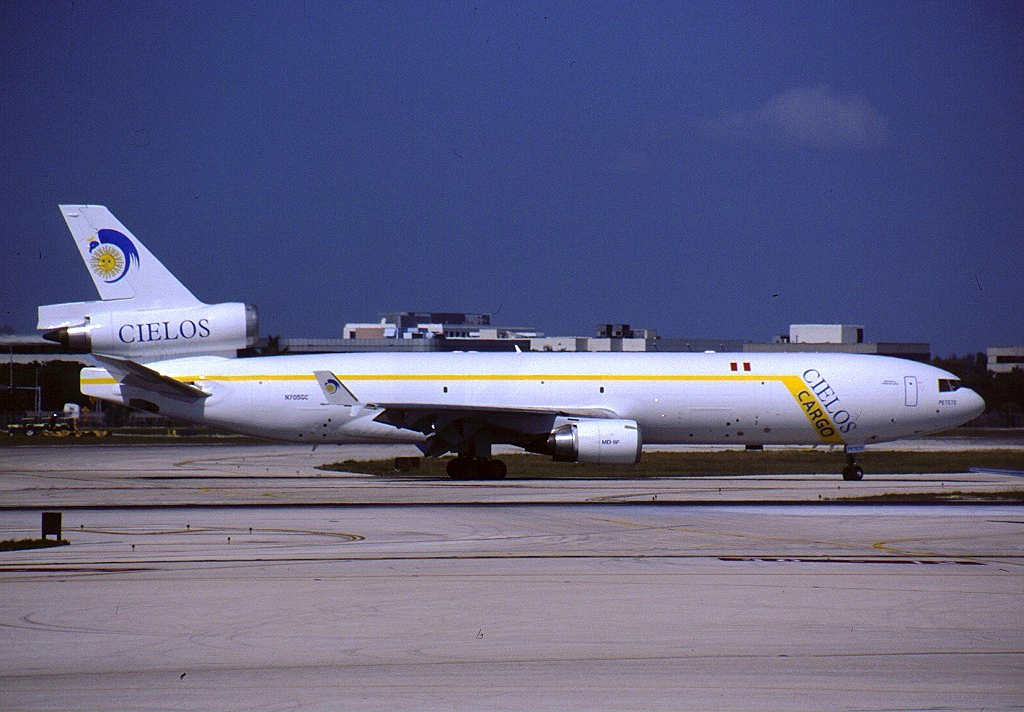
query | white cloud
[813, 116]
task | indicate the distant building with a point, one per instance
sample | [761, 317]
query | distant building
[801, 337]
[504, 332]
[824, 334]
[618, 344]
[845, 338]
[624, 331]
[913, 351]
[409, 319]
[436, 325]
[559, 343]
[1003, 359]
[383, 330]
[839, 338]
[356, 344]
[432, 331]
[695, 345]
[432, 325]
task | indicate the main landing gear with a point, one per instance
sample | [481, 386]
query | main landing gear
[852, 471]
[476, 468]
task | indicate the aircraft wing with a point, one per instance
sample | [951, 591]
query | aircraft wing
[424, 417]
[133, 374]
[448, 426]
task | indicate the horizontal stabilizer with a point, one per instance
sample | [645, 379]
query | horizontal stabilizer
[133, 374]
[334, 390]
[55, 316]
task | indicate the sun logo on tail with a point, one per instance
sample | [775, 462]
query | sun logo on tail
[111, 255]
[332, 386]
[107, 262]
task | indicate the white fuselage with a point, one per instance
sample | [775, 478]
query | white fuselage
[712, 398]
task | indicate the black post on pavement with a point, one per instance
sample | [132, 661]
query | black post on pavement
[51, 524]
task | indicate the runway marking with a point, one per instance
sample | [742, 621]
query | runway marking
[221, 530]
[736, 535]
[75, 569]
[850, 560]
[621, 521]
[28, 623]
[83, 567]
[890, 545]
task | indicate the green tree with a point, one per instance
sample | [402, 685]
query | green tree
[1003, 392]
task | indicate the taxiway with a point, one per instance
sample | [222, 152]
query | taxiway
[274, 475]
[441, 595]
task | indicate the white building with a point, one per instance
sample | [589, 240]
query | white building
[381, 330]
[826, 334]
[1003, 359]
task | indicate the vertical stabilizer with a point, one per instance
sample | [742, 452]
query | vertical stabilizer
[120, 265]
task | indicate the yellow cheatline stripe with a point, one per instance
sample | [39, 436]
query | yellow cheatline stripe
[468, 377]
[553, 377]
[804, 397]
[222, 377]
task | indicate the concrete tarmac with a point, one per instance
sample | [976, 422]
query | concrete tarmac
[545, 596]
[214, 475]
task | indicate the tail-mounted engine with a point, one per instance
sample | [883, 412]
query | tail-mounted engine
[203, 329]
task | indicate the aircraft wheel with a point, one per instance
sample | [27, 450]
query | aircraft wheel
[495, 469]
[853, 472]
[458, 468]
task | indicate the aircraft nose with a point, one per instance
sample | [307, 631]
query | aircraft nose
[974, 405]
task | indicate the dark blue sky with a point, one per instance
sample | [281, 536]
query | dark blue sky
[718, 169]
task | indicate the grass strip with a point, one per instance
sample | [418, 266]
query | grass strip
[23, 544]
[727, 462]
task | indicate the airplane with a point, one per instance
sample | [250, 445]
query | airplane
[159, 349]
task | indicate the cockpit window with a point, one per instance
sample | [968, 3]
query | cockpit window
[948, 384]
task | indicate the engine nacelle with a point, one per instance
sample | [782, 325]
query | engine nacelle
[202, 329]
[596, 440]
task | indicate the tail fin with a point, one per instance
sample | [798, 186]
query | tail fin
[120, 265]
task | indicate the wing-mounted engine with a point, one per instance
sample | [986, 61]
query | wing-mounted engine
[596, 440]
[100, 327]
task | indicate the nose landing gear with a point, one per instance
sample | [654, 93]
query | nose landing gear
[853, 470]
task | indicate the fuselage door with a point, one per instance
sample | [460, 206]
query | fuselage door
[910, 384]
